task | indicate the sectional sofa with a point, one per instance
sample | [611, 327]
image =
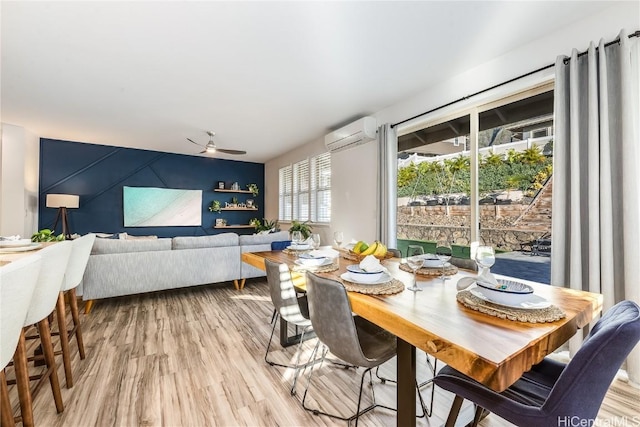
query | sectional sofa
[126, 267]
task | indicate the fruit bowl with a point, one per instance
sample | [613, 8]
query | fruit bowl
[359, 257]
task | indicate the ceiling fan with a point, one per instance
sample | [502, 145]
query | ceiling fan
[211, 148]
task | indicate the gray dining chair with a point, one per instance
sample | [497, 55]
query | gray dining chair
[553, 391]
[289, 307]
[353, 339]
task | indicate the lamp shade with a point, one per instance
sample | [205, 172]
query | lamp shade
[63, 201]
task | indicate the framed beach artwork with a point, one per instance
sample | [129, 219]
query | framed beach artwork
[161, 207]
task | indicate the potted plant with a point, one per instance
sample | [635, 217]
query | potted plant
[254, 189]
[215, 206]
[302, 227]
[46, 235]
[264, 225]
[234, 201]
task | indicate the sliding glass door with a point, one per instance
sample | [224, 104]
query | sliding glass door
[481, 175]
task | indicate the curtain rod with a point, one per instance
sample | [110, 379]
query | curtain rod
[464, 98]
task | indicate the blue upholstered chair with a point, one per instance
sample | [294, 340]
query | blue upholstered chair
[553, 391]
[278, 246]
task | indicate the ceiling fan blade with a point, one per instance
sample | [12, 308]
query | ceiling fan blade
[225, 151]
[203, 151]
[190, 140]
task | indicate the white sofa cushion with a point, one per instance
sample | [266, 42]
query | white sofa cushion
[117, 246]
[197, 242]
[261, 239]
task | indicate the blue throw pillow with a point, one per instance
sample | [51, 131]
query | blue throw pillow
[278, 246]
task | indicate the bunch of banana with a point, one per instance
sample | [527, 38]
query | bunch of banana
[377, 249]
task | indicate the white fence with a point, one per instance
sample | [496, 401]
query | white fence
[494, 149]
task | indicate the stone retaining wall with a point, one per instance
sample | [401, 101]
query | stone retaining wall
[452, 222]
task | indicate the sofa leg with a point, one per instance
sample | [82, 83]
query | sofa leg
[239, 285]
[88, 306]
[242, 283]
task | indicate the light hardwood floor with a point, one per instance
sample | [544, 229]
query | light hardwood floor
[195, 357]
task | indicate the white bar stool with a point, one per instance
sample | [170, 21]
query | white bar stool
[17, 283]
[54, 264]
[80, 252]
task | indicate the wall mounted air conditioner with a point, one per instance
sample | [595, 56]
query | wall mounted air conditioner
[359, 132]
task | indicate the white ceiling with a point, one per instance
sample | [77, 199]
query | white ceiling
[265, 76]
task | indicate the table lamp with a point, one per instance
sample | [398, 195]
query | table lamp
[63, 202]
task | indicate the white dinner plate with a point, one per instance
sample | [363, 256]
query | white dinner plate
[534, 302]
[386, 277]
[432, 263]
[14, 243]
[299, 247]
[30, 247]
[301, 263]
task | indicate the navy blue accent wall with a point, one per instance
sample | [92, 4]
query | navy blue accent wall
[98, 172]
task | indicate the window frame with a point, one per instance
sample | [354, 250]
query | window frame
[304, 183]
[473, 108]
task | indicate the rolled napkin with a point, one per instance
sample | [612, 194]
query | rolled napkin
[371, 264]
[485, 276]
[327, 253]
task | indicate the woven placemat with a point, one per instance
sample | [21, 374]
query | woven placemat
[322, 269]
[538, 315]
[393, 286]
[296, 252]
[449, 270]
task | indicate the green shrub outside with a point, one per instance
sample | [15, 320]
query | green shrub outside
[527, 171]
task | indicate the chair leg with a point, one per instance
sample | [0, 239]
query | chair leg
[359, 412]
[73, 303]
[274, 320]
[434, 368]
[64, 338]
[7, 411]
[479, 415]
[455, 410]
[47, 347]
[22, 382]
[296, 374]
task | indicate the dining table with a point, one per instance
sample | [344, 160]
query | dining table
[494, 351]
[10, 254]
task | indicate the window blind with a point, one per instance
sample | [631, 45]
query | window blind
[305, 190]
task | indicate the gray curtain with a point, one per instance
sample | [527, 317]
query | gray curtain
[596, 186]
[387, 188]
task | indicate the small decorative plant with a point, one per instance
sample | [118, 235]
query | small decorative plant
[215, 206]
[264, 225]
[302, 227]
[254, 189]
[234, 201]
[46, 235]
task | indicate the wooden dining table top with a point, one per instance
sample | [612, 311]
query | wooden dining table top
[10, 256]
[493, 351]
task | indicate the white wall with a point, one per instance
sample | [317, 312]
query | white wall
[271, 170]
[19, 180]
[353, 177]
